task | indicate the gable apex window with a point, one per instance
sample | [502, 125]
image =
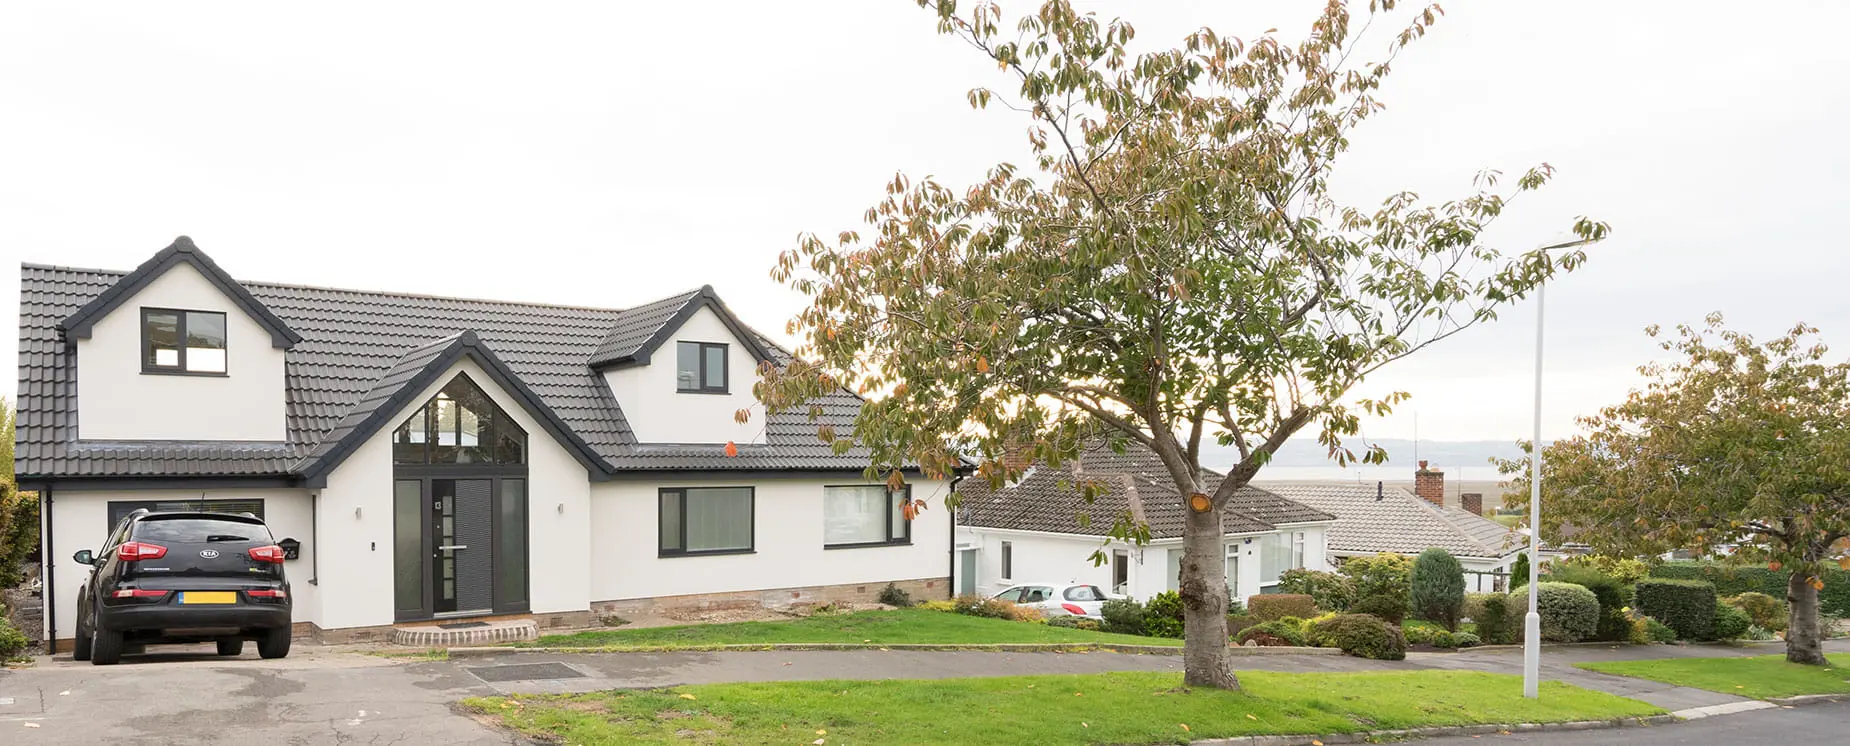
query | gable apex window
[175, 341]
[460, 425]
[700, 368]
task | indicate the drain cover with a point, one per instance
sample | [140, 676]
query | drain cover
[526, 672]
[462, 625]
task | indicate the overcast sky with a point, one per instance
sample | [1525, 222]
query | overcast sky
[612, 153]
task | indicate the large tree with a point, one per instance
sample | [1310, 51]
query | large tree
[1170, 269]
[1730, 443]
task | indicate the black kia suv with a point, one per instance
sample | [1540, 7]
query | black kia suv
[184, 577]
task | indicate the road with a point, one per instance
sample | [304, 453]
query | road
[1812, 724]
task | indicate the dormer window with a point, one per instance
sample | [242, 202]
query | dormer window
[182, 342]
[700, 368]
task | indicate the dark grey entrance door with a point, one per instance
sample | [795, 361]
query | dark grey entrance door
[462, 514]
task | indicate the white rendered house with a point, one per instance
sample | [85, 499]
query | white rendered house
[1040, 529]
[441, 458]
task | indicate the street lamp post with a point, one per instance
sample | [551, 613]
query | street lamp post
[1532, 622]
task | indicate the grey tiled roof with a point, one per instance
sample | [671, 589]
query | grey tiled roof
[351, 340]
[633, 328]
[1135, 483]
[1399, 522]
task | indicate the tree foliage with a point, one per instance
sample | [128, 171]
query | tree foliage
[1732, 444]
[1169, 267]
[1438, 583]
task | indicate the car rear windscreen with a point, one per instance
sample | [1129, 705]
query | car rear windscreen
[199, 530]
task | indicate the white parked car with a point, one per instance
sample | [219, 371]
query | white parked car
[1058, 599]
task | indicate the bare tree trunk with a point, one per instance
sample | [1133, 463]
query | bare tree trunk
[1804, 639]
[1206, 662]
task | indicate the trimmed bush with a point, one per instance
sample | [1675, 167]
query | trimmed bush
[893, 595]
[1444, 639]
[1729, 580]
[1162, 617]
[1074, 622]
[1686, 606]
[1328, 590]
[1498, 622]
[1570, 613]
[1656, 631]
[1360, 635]
[1123, 616]
[1390, 609]
[1519, 572]
[1289, 634]
[1438, 587]
[980, 606]
[1466, 639]
[1767, 612]
[1730, 623]
[1614, 625]
[939, 605]
[1278, 605]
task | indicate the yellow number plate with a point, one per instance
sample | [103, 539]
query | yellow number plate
[209, 597]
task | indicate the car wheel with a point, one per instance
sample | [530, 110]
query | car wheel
[80, 646]
[231, 647]
[274, 643]
[106, 650]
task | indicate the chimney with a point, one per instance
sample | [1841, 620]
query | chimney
[1429, 484]
[1472, 502]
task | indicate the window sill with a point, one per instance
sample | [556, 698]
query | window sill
[710, 553]
[869, 544]
[197, 374]
[715, 392]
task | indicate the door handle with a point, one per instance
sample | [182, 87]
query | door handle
[452, 546]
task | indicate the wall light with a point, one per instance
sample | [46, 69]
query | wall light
[561, 509]
[356, 513]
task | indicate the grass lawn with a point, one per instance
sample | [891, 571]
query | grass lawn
[899, 626]
[1112, 708]
[1759, 677]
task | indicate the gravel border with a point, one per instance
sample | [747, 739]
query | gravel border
[467, 652]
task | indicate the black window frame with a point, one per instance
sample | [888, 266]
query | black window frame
[700, 368]
[890, 541]
[751, 522]
[119, 510]
[148, 367]
[500, 425]
[1008, 561]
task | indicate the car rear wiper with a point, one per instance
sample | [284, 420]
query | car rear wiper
[226, 537]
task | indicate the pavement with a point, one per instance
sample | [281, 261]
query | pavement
[1811, 724]
[188, 695]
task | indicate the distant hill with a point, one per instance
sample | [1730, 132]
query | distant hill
[1305, 452]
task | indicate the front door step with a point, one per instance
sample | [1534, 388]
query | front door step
[487, 633]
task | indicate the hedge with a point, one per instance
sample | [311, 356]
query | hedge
[1732, 580]
[1614, 625]
[1686, 606]
[1280, 605]
[1570, 613]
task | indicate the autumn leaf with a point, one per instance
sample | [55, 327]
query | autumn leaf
[982, 365]
[1184, 725]
[732, 449]
[1774, 565]
[742, 416]
[687, 696]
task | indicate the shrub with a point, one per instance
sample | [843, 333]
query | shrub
[1237, 623]
[1019, 613]
[1273, 606]
[1466, 639]
[12, 641]
[1519, 572]
[19, 527]
[1438, 587]
[1766, 611]
[1729, 580]
[1625, 570]
[1656, 631]
[1162, 617]
[1570, 613]
[1614, 625]
[1328, 590]
[1730, 623]
[1289, 634]
[1686, 606]
[1391, 609]
[1383, 584]
[1123, 616]
[1360, 635]
[1444, 639]
[1074, 622]
[1496, 623]
[893, 595]
[980, 606]
[939, 605]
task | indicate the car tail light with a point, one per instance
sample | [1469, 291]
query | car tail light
[271, 553]
[136, 550]
[268, 594]
[1074, 610]
[134, 593]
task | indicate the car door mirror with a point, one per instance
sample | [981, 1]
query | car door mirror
[84, 557]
